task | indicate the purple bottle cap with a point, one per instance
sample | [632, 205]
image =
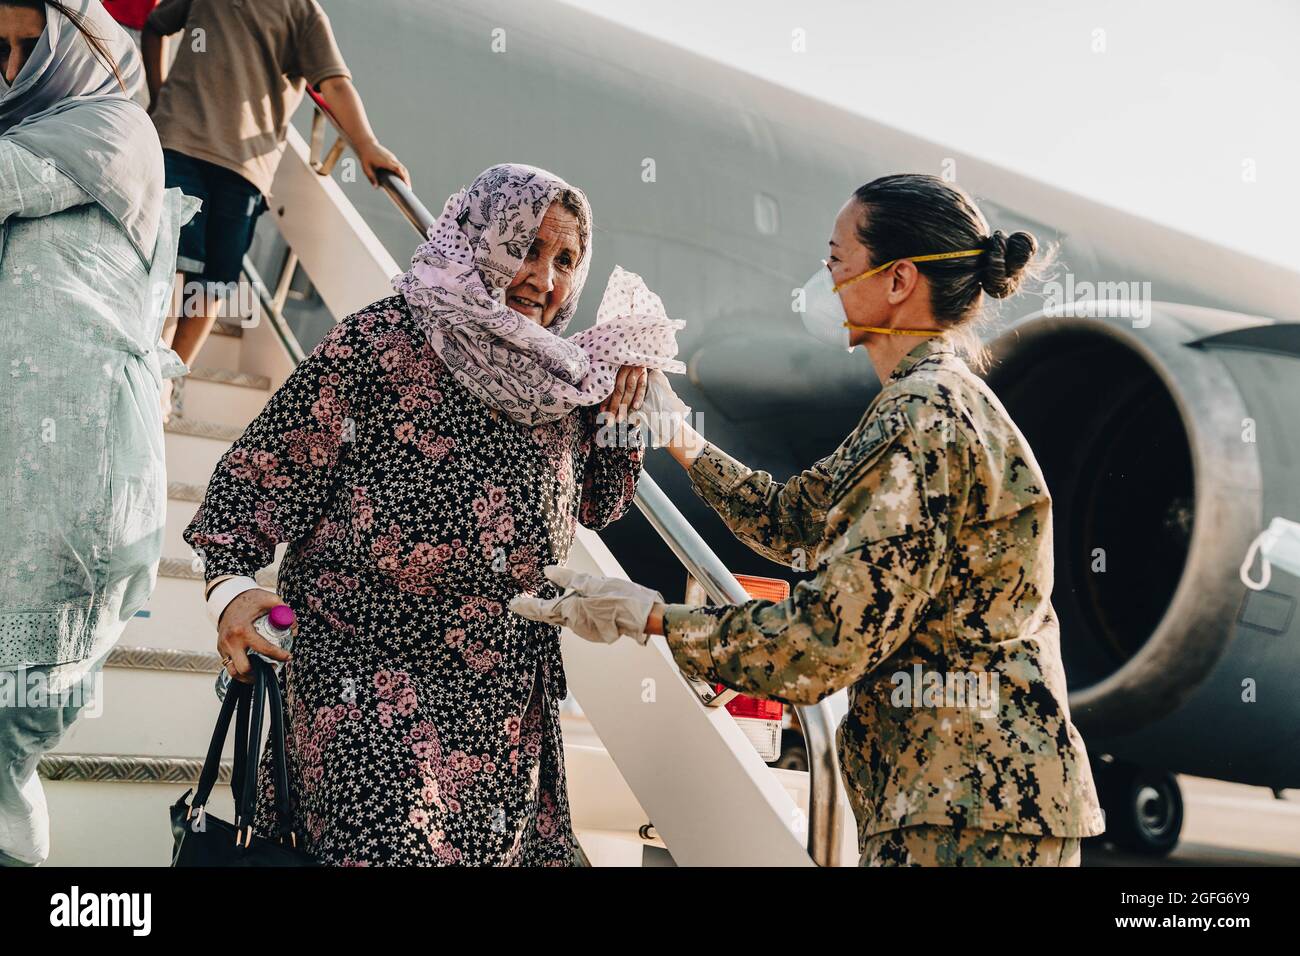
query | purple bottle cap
[281, 617]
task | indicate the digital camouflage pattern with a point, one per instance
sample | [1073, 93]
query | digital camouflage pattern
[948, 846]
[930, 534]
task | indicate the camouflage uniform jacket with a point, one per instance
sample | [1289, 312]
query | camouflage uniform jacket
[930, 532]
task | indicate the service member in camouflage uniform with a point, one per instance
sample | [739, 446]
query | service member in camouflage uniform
[930, 533]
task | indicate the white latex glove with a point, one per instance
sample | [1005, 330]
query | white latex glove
[596, 608]
[662, 412]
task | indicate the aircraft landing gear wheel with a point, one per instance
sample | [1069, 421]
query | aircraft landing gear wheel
[1144, 809]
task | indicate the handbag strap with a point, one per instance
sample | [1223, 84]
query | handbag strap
[275, 740]
[246, 800]
[236, 698]
[247, 704]
[266, 696]
[240, 747]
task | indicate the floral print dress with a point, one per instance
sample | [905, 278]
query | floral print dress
[421, 715]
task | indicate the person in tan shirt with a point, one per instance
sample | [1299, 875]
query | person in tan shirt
[222, 114]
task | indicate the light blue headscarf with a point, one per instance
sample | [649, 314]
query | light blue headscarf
[66, 106]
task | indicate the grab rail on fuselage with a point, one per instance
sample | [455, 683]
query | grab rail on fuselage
[699, 560]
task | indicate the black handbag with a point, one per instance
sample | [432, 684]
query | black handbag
[200, 839]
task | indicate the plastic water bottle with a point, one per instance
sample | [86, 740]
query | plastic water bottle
[277, 627]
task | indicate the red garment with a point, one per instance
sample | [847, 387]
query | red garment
[130, 13]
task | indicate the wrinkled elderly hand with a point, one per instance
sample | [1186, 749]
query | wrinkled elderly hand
[596, 608]
[629, 392]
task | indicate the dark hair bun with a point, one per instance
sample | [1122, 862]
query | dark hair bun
[1004, 260]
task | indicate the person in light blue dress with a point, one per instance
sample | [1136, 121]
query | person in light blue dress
[87, 251]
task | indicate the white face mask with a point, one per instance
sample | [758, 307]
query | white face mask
[823, 312]
[1278, 546]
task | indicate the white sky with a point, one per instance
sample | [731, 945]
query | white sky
[1161, 123]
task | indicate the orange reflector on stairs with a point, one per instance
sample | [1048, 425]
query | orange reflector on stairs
[764, 589]
[766, 736]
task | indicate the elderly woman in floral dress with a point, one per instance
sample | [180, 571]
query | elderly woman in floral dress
[429, 458]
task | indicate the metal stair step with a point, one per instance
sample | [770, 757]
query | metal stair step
[220, 351]
[169, 659]
[118, 805]
[229, 376]
[220, 396]
[174, 618]
[184, 568]
[201, 428]
[233, 331]
[126, 768]
[148, 711]
[185, 491]
[100, 818]
[193, 448]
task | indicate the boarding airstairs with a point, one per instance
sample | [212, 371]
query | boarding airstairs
[658, 772]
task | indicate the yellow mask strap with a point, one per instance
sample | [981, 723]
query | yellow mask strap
[934, 257]
[884, 331]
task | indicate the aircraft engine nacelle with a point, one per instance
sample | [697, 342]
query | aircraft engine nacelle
[1167, 446]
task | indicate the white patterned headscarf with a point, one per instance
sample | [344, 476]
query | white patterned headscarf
[65, 108]
[456, 289]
